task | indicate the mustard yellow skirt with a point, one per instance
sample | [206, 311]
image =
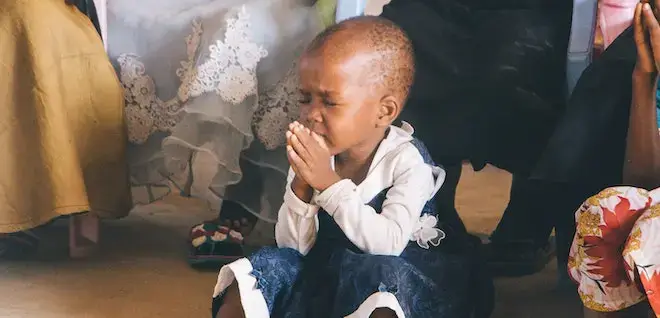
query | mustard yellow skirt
[61, 124]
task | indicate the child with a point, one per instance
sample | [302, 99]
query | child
[357, 232]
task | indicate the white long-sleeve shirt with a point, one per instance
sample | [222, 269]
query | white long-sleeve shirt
[397, 165]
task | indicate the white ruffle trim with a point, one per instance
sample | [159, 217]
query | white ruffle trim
[375, 301]
[253, 301]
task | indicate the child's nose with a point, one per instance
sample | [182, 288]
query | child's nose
[313, 114]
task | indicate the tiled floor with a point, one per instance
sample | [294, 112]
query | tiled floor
[142, 270]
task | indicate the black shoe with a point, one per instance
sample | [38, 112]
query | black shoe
[518, 258]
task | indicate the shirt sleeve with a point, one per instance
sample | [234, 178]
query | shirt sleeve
[386, 233]
[297, 222]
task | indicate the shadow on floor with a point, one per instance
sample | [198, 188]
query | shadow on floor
[142, 272]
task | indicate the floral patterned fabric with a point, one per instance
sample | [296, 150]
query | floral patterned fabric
[615, 256]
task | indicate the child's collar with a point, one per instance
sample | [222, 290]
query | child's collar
[396, 136]
[408, 128]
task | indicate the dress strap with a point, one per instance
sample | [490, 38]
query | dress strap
[439, 174]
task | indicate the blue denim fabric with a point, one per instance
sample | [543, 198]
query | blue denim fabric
[336, 277]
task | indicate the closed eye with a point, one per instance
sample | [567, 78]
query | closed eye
[329, 103]
[307, 98]
[304, 98]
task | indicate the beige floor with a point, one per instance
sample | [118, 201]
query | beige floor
[142, 271]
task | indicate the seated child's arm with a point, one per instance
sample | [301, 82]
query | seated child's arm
[388, 233]
[296, 221]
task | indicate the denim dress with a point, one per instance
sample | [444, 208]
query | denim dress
[337, 279]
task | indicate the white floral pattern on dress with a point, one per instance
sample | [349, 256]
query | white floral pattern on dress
[278, 107]
[425, 232]
[231, 68]
[145, 112]
[230, 72]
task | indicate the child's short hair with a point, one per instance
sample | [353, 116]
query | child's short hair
[394, 66]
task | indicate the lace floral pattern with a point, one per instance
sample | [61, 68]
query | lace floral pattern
[277, 108]
[425, 232]
[230, 72]
[145, 112]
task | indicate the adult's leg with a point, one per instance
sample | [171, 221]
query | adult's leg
[512, 116]
[446, 200]
[519, 245]
[256, 199]
[222, 239]
[232, 213]
[524, 218]
[525, 107]
[595, 119]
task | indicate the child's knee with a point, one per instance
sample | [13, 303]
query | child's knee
[276, 265]
[232, 295]
[383, 313]
[231, 305]
[383, 273]
[277, 256]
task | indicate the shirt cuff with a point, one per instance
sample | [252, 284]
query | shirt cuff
[331, 198]
[298, 206]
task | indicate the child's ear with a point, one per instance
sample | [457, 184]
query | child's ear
[388, 111]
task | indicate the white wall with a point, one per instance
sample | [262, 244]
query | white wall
[102, 13]
[375, 7]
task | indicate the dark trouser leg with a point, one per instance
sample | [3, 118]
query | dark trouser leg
[565, 226]
[446, 200]
[249, 189]
[535, 208]
[526, 217]
[519, 244]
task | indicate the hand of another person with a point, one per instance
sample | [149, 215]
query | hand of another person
[647, 38]
[309, 157]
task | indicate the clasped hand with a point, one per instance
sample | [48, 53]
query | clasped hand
[309, 157]
[647, 37]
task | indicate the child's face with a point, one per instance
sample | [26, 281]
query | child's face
[336, 101]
